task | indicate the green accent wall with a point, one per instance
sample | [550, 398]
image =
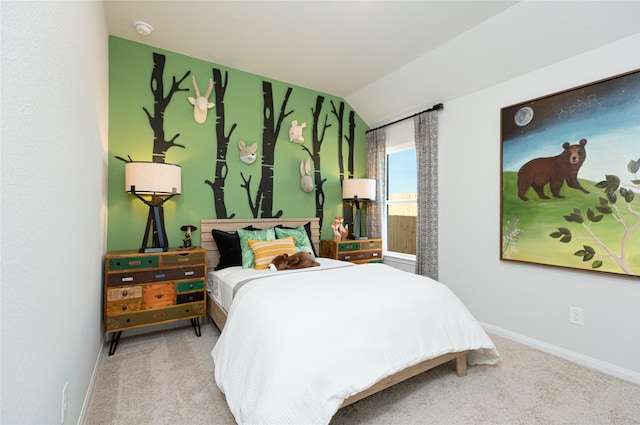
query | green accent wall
[131, 135]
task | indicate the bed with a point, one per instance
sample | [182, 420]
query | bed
[298, 345]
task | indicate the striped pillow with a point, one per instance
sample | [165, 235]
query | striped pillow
[265, 251]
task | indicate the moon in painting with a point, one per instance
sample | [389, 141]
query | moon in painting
[524, 116]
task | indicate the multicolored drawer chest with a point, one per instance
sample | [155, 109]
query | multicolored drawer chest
[144, 289]
[358, 251]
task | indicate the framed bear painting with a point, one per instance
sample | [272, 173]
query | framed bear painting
[570, 189]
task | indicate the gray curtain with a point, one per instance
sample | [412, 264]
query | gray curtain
[426, 137]
[376, 154]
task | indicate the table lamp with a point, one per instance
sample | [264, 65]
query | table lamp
[357, 190]
[160, 182]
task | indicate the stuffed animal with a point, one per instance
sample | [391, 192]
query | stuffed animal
[336, 231]
[337, 237]
[305, 171]
[299, 260]
[247, 153]
[295, 132]
[341, 228]
[340, 232]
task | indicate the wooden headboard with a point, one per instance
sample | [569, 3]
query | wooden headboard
[230, 225]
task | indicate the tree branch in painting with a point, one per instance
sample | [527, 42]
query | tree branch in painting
[609, 206]
[160, 144]
[221, 169]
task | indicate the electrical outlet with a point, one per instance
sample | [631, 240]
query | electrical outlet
[576, 316]
[65, 390]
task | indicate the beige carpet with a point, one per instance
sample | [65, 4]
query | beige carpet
[167, 378]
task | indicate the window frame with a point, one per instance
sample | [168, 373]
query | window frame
[391, 149]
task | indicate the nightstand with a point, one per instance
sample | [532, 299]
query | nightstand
[145, 289]
[359, 251]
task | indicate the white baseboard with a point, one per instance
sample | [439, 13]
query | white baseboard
[581, 359]
[87, 396]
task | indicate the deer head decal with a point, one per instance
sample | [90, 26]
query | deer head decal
[201, 104]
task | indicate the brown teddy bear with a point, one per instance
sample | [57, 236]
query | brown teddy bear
[299, 260]
[553, 170]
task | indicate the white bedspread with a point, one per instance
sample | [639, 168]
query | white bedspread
[222, 283]
[295, 346]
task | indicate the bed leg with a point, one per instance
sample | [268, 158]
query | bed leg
[461, 364]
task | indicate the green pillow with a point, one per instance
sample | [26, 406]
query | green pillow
[256, 235]
[302, 240]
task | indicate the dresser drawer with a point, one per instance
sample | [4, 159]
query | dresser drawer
[190, 285]
[133, 262]
[124, 306]
[371, 244]
[129, 278]
[191, 297]
[143, 318]
[124, 293]
[158, 295]
[348, 246]
[360, 255]
[182, 259]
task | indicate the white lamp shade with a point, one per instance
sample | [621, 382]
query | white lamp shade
[364, 189]
[152, 177]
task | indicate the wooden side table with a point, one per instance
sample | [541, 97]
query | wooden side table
[144, 289]
[359, 251]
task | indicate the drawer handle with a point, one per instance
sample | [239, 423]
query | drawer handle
[189, 273]
[159, 296]
[124, 307]
[124, 293]
[127, 279]
[191, 286]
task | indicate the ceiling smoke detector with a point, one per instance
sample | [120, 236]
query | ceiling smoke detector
[143, 28]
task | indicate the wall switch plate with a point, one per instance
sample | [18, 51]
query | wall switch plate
[576, 316]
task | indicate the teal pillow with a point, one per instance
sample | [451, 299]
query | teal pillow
[256, 235]
[302, 240]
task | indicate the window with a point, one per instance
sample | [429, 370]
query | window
[402, 194]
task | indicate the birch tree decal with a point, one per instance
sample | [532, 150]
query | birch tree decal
[317, 135]
[351, 141]
[160, 103]
[221, 169]
[264, 197]
[350, 138]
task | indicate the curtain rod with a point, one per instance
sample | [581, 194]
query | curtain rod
[433, 108]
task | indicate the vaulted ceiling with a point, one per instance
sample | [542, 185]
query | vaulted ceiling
[386, 58]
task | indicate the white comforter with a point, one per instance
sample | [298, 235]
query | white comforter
[296, 345]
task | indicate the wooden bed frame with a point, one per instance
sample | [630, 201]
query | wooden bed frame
[219, 315]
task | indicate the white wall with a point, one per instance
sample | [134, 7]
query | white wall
[527, 302]
[53, 175]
